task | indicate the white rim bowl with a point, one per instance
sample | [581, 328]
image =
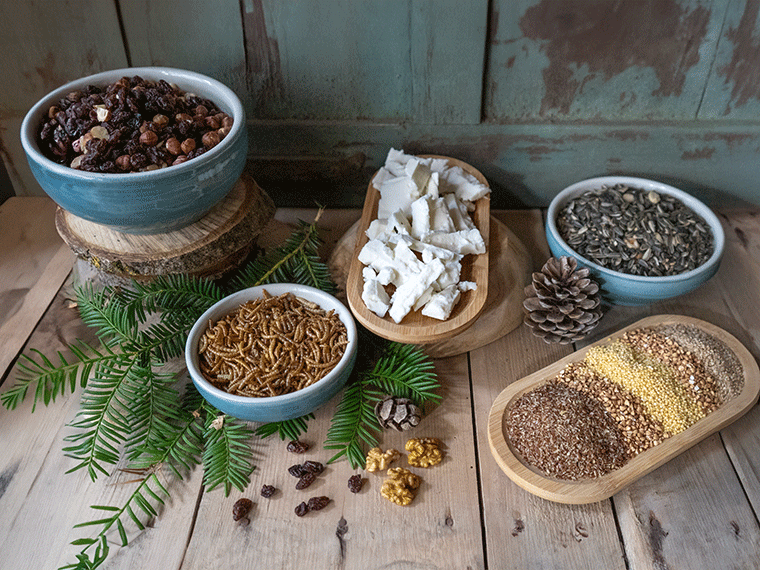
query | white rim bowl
[688, 200]
[232, 302]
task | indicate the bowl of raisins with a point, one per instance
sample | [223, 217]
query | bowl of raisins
[141, 150]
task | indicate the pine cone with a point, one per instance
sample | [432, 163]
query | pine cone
[562, 303]
[397, 413]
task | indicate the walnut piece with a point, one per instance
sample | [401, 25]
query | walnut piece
[379, 461]
[424, 452]
[400, 486]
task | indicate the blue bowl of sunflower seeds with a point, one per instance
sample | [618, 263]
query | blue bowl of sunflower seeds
[643, 240]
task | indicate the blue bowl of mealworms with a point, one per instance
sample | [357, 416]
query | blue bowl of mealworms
[273, 352]
[644, 241]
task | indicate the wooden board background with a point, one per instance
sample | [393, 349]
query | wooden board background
[536, 94]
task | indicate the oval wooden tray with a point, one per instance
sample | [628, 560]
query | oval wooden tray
[597, 489]
[416, 328]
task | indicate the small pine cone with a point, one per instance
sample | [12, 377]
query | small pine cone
[397, 413]
[562, 304]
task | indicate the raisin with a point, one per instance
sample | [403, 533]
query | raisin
[355, 483]
[318, 503]
[298, 447]
[306, 480]
[313, 467]
[241, 508]
[302, 509]
[297, 470]
[267, 491]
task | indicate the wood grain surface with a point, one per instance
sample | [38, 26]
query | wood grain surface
[698, 510]
[217, 242]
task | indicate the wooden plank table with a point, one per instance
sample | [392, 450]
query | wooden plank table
[698, 511]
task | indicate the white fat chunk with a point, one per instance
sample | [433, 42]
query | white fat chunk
[438, 165]
[458, 213]
[428, 251]
[407, 294]
[382, 175]
[441, 304]
[400, 223]
[387, 275]
[424, 298]
[466, 187]
[440, 219]
[376, 254]
[377, 229]
[419, 173]
[375, 297]
[396, 194]
[432, 185]
[450, 275]
[420, 210]
[368, 273]
[467, 286]
[464, 242]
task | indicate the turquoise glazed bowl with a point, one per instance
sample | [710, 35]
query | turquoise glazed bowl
[624, 289]
[274, 408]
[151, 202]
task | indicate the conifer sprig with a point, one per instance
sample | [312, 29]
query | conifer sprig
[402, 370]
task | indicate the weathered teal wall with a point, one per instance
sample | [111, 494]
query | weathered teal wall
[535, 93]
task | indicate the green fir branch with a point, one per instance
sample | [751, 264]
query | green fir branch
[405, 371]
[227, 457]
[104, 311]
[354, 423]
[171, 295]
[49, 379]
[286, 429]
[295, 261]
[178, 450]
[102, 422]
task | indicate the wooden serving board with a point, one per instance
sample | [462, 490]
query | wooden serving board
[209, 247]
[416, 328]
[597, 489]
[509, 269]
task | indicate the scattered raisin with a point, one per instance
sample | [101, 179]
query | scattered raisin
[318, 503]
[302, 509]
[355, 483]
[241, 508]
[267, 491]
[298, 446]
[306, 480]
[313, 467]
[297, 470]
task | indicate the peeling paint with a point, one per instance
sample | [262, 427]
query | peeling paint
[703, 153]
[744, 69]
[262, 53]
[606, 38]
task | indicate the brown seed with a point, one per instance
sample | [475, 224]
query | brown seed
[149, 138]
[318, 503]
[174, 146]
[188, 145]
[210, 139]
[302, 509]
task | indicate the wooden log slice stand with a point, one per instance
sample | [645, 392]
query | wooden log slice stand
[209, 247]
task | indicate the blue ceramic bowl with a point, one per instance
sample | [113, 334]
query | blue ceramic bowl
[275, 408]
[621, 288]
[144, 202]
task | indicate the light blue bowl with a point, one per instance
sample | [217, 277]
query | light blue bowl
[275, 408]
[623, 289]
[144, 202]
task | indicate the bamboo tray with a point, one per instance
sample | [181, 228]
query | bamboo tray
[597, 489]
[416, 328]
